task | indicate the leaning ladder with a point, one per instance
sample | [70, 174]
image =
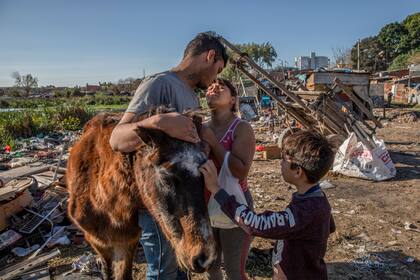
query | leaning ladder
[323, 118]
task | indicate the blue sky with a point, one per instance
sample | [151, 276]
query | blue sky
[86, 41]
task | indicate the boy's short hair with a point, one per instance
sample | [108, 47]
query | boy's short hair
[204, 42]
[311, 151]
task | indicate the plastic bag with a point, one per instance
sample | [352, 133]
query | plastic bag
[231, 185]
[354, 159]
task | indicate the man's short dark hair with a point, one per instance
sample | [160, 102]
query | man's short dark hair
[204, 42]
[311, 151]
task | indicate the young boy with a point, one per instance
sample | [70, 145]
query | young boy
[302, 229]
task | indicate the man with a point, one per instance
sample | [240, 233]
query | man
[204, 58]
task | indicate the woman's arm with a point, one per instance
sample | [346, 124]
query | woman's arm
[243, 149]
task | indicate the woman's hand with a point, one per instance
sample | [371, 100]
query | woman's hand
[208, 136]
[209, 172]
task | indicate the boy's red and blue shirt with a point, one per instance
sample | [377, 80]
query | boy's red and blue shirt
[301, 231]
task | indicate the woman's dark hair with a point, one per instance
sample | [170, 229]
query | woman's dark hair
[232, 89]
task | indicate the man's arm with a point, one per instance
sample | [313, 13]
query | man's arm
[124, 138]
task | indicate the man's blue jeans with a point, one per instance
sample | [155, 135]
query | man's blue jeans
[160, 257]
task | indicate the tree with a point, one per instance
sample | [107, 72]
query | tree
[342, 56]
[263, 54]
[412, 25]
[27, 82]
[393, 39]
[396, 45]
[371, 55]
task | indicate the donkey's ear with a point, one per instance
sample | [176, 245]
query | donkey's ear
[197, 118]
[149, 136]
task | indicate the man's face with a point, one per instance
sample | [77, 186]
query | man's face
[209, 73]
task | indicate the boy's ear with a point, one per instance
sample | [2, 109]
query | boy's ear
[300, 173]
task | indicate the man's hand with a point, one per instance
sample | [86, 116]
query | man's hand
[178, 126]
[209, 172]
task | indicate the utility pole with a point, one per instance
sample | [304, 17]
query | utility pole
[358, 55]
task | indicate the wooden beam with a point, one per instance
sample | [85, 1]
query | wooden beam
[27, 265]
[288, 109]
[247, 59]
[358, 103]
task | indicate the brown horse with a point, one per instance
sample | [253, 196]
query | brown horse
[108, 189]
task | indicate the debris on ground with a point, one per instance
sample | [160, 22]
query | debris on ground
[370, 240]
[404, 117]
[33, 205]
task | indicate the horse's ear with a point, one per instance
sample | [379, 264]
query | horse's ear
[149, 136]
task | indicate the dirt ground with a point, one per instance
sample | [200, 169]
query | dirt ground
[371, 241]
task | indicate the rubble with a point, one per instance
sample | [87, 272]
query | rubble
[27, 265]
[14, 197]
[22, 252]
[33, 204]
[8, 238]
[406, 117]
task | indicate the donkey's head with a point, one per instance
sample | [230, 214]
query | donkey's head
[172, 190]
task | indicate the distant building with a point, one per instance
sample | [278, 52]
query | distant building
[311, 63]
[91, 89]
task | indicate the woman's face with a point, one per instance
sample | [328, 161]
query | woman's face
[218, 96]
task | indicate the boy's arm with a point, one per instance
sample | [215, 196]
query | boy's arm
[269, 224]
[275, 225]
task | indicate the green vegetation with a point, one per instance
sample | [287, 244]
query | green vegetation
[395, 47]
[30, 123]
[92, 100]
[404, 60]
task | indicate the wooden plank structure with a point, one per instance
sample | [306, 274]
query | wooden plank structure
[325, 115]
[27, 265]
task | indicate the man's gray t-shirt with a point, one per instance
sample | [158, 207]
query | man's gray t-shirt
[163, 89]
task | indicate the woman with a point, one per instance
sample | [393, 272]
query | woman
[227, 132]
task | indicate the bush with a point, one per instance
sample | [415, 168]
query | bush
[70, 123]
[4, 104]
[33, 122]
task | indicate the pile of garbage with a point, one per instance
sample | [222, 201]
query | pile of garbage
[35, 150]
[407, 117]
[33, 203]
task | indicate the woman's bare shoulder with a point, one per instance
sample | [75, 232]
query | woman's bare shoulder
[244, 128]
